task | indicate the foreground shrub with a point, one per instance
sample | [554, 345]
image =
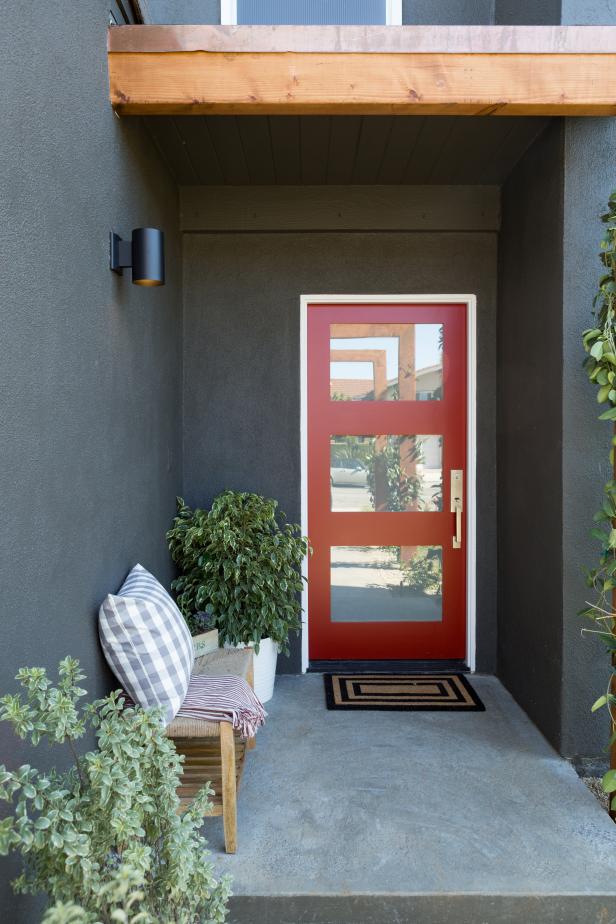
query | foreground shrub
[105, 840]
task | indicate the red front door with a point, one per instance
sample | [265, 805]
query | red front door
[386, 481]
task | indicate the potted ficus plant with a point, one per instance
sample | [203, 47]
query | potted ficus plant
[240, 563]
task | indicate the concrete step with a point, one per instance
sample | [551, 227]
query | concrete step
[423, 909]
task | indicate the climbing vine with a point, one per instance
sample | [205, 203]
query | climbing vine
[600, 344]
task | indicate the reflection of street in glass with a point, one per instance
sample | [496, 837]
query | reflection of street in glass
[391, 584]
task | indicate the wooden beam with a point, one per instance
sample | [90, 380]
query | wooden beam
[339, 208]
[204, 83]
[367, 39]
[198, 82]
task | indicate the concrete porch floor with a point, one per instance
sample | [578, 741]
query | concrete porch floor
[420, 817]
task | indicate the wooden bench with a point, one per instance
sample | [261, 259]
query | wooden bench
[212, 751]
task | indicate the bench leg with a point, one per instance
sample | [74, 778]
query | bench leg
[229, 794]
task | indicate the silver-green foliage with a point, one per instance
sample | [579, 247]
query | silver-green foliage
[599, 342]
[105, 835]
[240, 566]
[122, 899]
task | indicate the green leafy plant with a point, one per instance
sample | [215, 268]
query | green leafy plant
[105, 839]
[385, 470]
[241, 566]
[599, 343]
[121, 898]
[385, 467]
[423, 572]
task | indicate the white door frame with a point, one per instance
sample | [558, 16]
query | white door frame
[471, 454]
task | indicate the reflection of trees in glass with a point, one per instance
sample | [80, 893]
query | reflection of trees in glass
[424, 571]
[351, 449]
[391, 486]
[389, 462]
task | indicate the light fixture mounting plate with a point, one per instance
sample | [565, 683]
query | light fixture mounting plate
[120, 253]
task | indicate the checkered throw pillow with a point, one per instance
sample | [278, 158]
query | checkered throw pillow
[147, 643]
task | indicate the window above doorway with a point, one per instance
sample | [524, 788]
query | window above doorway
[311, 12]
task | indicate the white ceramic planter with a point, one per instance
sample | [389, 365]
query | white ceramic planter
[264, 668]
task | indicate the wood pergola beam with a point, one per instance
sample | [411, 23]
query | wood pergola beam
[200, 70]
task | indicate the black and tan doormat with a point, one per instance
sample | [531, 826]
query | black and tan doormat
[401, 692]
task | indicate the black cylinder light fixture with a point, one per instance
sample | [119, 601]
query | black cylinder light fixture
[144, 254]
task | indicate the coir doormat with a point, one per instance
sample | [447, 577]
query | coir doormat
[401, 692]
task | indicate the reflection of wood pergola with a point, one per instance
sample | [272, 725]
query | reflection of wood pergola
[405, 334]
[378, 361]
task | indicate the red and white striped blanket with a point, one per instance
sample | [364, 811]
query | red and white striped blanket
[223, 698]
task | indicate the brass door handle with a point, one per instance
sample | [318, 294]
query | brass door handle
[457, 504]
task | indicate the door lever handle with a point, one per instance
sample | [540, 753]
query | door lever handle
[457, 504]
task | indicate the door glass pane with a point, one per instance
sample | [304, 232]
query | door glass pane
[311, 12]
[386, 473]
[386, 362]
[386, 583]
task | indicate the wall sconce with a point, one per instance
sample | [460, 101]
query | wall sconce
[144, 253]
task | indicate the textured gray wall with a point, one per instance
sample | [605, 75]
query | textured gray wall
[90, 375]
[242, 360]
[590, 176]
[527, 12]
[529, 433]
[448, 12]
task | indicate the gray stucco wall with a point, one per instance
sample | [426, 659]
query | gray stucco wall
[529, 433]
[183, 12]
[447, 12]
[90, 374]
[242, 359]
[590, 176]
[547, 423]
[527, 12]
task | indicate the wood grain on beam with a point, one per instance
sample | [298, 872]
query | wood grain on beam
[293, 83]
[340, 208]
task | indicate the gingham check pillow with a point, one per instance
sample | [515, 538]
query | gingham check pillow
[147, 643]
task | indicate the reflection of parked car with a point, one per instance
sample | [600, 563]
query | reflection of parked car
[348, 471]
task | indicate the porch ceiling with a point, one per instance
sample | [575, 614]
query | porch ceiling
[401, 70]
[341, 150]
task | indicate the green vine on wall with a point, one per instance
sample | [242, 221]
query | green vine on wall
[600, 364]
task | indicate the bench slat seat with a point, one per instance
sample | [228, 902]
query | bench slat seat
[237, 662]
[212, 751]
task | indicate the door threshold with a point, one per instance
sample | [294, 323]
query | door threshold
[389, 667]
